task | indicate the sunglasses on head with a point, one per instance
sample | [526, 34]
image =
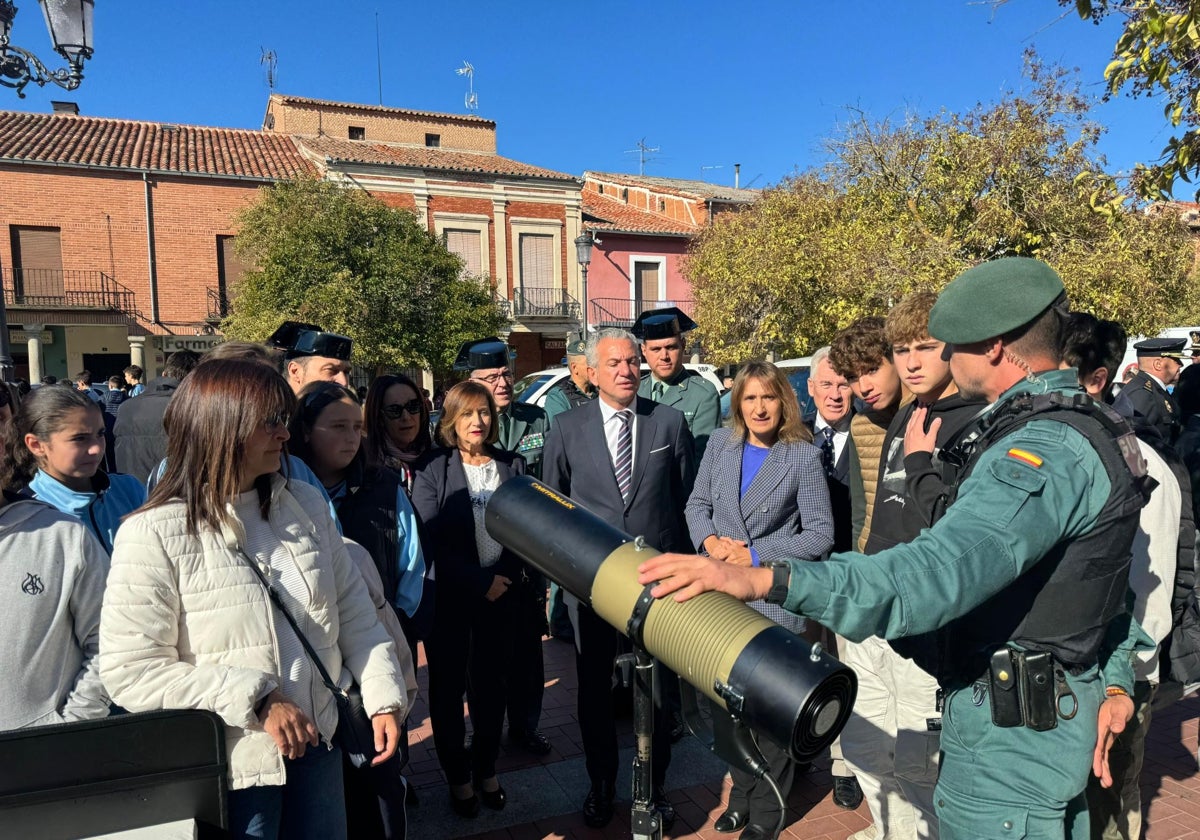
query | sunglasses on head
[396, 410]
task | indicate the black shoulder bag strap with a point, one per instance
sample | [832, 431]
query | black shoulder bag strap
[338, 693]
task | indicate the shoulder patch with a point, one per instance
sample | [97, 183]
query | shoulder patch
[1026, 457]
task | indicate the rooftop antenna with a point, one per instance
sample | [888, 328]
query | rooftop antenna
[472, 98]
[704, 169]
[642, 150]
[271, 60]
[378, 58]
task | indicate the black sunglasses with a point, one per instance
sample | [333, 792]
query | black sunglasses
[396, 410]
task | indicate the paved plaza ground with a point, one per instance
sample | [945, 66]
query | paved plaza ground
[546, 794]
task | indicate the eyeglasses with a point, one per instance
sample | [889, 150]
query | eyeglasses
[276, 422]
[396, 410]
[495, 377]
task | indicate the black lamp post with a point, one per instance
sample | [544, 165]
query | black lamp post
[583, 255]
[70, 25]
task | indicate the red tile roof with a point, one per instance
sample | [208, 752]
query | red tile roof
[683, 187]
[424, 157]
[610, 214]
[351, 106]
[130, 144]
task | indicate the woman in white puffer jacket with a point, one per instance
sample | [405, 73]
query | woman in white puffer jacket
[187, 624]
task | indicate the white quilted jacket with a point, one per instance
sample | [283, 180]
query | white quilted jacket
[187, 625]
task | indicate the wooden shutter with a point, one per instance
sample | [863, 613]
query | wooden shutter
[466, 244]
[537, 261]
[645, 275]
[37, 260]
[230, 268]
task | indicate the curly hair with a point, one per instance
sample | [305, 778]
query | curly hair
[860, 347]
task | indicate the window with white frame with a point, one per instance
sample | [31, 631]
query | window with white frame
[468, 246]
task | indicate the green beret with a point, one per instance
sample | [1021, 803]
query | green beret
[992, 299]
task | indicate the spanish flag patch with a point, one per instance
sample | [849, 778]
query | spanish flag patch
[1025, 457]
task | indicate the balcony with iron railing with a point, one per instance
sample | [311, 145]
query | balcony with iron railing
[44, 288]
[622, 312]
[545, 303]
[218, 305]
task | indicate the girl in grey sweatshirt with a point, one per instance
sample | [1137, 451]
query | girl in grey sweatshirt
[52, 574]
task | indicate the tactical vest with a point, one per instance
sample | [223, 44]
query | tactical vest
[1065, 602]
[571, 391]
[368, 516]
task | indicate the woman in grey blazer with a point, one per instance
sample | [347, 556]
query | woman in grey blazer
[760, 495]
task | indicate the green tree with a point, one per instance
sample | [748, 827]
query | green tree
[906, 206]
[343, 259]
[1157, 55]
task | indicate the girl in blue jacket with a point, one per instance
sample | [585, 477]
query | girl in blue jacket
[63, 435]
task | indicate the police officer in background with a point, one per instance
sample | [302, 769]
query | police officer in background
[669, 382]
[312, 355]
[1144, 400]
[523, 430]
[1026, 573]
[574, 390]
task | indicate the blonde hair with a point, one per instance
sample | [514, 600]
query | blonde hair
[792, 428]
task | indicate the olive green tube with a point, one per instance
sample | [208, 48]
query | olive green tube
[770, 678]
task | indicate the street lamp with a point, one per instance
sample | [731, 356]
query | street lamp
[70, 25]
[583, 255]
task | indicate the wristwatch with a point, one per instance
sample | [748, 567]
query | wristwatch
[781, 576]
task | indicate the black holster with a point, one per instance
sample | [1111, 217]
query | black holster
[1022, 689]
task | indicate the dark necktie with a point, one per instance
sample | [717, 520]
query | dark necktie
[825, 441]
[623, 462]
[657, 391]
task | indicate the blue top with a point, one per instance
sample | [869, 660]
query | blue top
[411, 558]
[137, 389]
[753, 457]
[113, 496]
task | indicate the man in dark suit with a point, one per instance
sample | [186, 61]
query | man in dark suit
[831, 434]
[1144, 400]
[628, 460]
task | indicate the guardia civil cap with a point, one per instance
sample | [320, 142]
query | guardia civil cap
[298, 339]
[994, 298]
[577, 348]
[1171, 348]
[669, 322]
[481, 354]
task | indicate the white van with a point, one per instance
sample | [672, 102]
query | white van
[533, 387]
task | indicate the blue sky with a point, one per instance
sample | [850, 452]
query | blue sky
[573, 85]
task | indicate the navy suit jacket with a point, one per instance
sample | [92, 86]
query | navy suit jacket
[576, 463]
[785, 511]
[443, 502]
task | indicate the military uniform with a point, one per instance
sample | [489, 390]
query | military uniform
[1039, 501]
[1147, 403]
[694, 396]
[523, 430]
[564, 396]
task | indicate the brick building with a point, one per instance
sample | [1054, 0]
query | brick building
[116, 240]
[643, 226]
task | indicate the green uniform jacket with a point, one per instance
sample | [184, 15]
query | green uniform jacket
[695, 396]
[523, 430]
[1007, 516]
[557, 401]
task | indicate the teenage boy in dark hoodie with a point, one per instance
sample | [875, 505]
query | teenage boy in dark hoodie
[894, 736]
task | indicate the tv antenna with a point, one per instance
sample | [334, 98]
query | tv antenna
[271, 60]
[642, 150]
[472, 98]
[704, 169]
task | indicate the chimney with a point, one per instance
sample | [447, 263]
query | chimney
[71, 108]
[737, 174]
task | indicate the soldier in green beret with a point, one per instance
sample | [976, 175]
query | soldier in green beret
[1025, 575]
[669, 382]
[523, 430]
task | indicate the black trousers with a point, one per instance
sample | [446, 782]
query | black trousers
[754, 796]
[598, 646]
[469, 652]
[527, 677]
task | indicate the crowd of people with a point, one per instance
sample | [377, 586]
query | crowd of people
[997, 556]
